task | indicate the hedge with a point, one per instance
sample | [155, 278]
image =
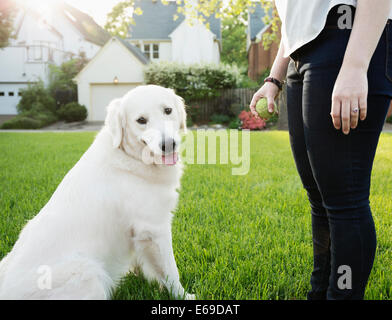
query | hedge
[193, 82]
[72, 111]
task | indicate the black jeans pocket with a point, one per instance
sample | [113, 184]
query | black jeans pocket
[388, 67]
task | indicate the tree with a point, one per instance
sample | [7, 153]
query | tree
[233, 42]
[236, 9]
[120, 17]
[7, 10]
[62, 87]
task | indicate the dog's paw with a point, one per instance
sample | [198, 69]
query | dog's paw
[190, 297]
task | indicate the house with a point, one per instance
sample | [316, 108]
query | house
[118, 66]
[116, 69]
[163, 34]
[44, 36]
[259, 59]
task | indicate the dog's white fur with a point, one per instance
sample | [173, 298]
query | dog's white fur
[109, 215]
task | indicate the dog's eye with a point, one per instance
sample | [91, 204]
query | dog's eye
[141, 120]
[168, 110]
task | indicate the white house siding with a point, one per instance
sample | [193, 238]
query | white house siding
[194, 44]
[73, 41]
[38, 44]
[32, 31]
[165, 51]
[165, 48]
[96, 87]
[16, 73]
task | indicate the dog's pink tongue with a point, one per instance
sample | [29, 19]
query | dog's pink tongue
[170, 159]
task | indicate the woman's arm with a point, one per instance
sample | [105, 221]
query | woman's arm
[351, 87]
[270, 90]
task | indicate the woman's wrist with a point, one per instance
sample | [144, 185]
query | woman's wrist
[275, 81]
[360, 64]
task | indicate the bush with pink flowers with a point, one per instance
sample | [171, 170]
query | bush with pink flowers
[249, 121]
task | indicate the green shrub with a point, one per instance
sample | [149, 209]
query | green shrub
[235, 123]
[45, 118]
[189, 121]
[36, 97]
[274, 118]
[61, 85]
[264, 75]
[21, 122]
[220, 118]
[389, 120]
[72, 112]
[192, 82]
[31, 119]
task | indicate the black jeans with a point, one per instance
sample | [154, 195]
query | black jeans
[335, 169]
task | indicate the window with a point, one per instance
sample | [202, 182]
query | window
[19, 94]
[10, 94]
[1, 94]
[151, 50]
[147, 50]
[155, 51]
[38, 53]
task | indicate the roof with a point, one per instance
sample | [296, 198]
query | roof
[255, 20]
[20, 17]
[134, 50]
[86, 25]
[157, 23]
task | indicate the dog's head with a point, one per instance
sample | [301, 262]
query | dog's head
[146, 123]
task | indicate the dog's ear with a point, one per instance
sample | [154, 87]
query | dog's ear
[180, 105]
[115, 121]
[182, 112]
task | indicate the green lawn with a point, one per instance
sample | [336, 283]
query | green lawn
[235, 237]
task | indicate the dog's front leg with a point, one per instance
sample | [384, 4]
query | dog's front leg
[172, 277]
[158, 263]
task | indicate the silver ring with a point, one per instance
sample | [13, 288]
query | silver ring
[355, 110]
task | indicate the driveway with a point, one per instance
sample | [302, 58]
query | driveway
[62, 126]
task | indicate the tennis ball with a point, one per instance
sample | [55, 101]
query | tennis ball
[262, 109]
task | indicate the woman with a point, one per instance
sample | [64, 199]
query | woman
[339, 86]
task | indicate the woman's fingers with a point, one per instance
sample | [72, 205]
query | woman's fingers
[252, 106]
[363, 107]
[271, 104]
[354, 114]
[345, 111]
[336, 112]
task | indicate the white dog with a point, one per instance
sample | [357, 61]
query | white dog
[112, 211]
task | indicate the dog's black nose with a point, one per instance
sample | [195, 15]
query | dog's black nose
[168, 145]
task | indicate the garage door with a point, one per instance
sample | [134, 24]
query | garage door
[9, 97]
[102, 94]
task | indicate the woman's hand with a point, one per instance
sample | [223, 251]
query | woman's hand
[269, 91]
[349, 98]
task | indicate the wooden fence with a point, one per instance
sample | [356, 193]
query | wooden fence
[230, 102]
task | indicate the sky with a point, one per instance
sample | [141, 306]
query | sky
[98, 9]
